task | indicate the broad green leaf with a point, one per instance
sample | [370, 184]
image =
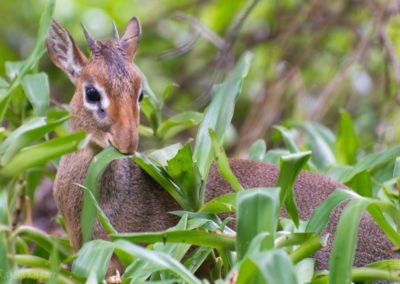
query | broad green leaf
[199, 238]
[370, 163]
[95, 172]
[47, 242]
[247, 271]
[362, 184]
[304, 270]
[13, 68]
[178, 123]
[40, 154]
[252, 207]
[151, 103]
[3, 83]
[185, 173]
[222, 162]
[320, 143]
[26, 134]
[105, 222]
[219, 113]
[224, 203]
[165, 154]
[346, 143]
[33, 58]
[36, 87]
[288, 139]
[396, 170]
[290, 167]
[274, 156]
[321, 214]
[344, 245]
[167, 91]
[257, 151]
[93, 255]
[275, 266]
[162, 259]
[160, 175]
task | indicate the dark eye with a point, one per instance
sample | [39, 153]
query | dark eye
[140, 96]
[92, 95]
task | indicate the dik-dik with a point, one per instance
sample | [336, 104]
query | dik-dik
[106, 105]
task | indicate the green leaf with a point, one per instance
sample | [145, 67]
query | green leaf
[222, 162]
[96, 169]
[224, 203]
[305, 270]
[362, 184]
[93, 255]
[185, 173]
[33, 58]
[198, 238]
[344, 245]
[274, 156]
[162, 259]
[290, 167]
[288, 139]
[151, 103]
[346, 143]
[105, 222]
[164, 154]
[26, 134]
[275, 266]
[178, 123]
[160, 175]
[36, 87]
[167, 91]
[370, 163]
[257, 151]
[320, 143]
[13, 68]
[40, 154]
[47, 242]
[321, 214]
[253, 205]
[219, 113]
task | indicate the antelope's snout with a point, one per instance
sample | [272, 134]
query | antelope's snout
[124, 135]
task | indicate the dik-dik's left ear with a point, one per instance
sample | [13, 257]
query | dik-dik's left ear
[64, 52]
[130, 40]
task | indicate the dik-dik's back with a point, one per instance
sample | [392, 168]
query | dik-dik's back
[106, 105]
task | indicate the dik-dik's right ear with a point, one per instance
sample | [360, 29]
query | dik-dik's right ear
[64, 52]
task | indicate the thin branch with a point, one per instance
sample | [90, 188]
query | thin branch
[202, 29]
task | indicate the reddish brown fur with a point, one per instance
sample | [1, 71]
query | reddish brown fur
[130, 198]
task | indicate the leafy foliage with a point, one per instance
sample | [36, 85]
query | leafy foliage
[262, 250]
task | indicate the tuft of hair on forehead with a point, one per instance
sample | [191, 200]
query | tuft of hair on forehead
[115, 64]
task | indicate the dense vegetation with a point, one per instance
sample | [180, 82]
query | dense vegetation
[301, 65]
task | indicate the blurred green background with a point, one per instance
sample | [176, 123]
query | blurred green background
[311, 58]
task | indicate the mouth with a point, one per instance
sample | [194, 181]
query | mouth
[126, 154]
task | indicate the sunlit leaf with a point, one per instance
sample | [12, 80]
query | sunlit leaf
[219, 113]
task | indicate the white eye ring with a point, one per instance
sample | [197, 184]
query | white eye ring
[102, 103]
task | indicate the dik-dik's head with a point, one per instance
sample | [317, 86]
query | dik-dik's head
[108, 88]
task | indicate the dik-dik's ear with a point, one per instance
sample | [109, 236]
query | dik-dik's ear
[64, 52]
[130, 40]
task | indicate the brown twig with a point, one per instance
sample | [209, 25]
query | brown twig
[208, 34]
